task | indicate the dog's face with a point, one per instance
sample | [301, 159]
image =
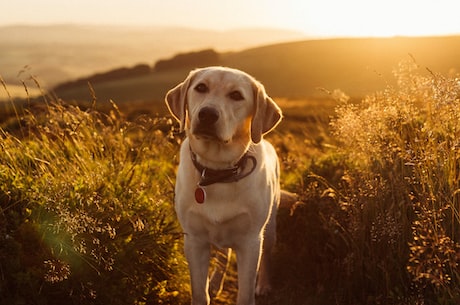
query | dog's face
[224, 107]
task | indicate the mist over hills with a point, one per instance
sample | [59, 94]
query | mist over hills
[59, 53]
[295, 70]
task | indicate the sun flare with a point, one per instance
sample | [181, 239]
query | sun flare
[371, 18]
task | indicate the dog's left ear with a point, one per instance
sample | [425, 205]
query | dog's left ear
[266, 115]
[176, 100]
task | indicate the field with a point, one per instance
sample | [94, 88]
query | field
[86, 197]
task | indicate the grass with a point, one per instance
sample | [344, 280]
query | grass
[86, 214]
[401, 184]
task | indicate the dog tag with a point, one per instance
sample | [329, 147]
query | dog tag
[200, 195]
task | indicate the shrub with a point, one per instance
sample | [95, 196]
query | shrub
[86, 214]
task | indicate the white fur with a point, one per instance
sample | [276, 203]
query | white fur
[239, 215]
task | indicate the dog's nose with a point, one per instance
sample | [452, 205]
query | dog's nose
[208, 115]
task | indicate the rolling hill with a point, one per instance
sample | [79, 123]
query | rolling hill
[59, 53]
[296, 69]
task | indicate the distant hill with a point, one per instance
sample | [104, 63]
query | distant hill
[112, 75]
[189, 60]
[61, 53]
[296, 69]
[357, 66]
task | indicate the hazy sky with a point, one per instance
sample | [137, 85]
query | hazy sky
[313, 17]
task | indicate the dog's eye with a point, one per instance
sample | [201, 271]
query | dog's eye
[236, 95]
[202, 88]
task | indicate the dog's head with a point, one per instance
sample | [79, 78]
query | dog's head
[222, 105]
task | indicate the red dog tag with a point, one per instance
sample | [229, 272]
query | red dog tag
[200, 195]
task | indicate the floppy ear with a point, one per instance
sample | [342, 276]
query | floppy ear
[266, 113]
[176, 100]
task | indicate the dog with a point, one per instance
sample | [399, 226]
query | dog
[227, 187]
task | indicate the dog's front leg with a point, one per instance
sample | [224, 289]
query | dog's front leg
[197, 253]
[248, 257]
[263, 278]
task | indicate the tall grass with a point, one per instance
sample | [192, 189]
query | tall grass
[86, 214]
[398, 190]
[409, 139]
[86, 210]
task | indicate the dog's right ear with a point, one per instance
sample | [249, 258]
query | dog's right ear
[266, 115]
[176, 100]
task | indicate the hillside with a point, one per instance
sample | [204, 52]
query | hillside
[60, 53]
[357, 66]
[376, 221]
[298, 69]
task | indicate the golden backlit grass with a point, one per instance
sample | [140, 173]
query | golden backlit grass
[400, 186]
[86, 202]
[86, 210]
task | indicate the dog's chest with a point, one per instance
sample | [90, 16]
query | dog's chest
[222, 203]
[223, 221]
[229, 212]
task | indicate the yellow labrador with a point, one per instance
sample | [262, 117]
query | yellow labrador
[227, 188]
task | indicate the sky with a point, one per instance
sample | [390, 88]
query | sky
[318, 18]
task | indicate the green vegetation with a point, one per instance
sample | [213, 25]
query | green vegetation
[86, 202]
[86, 214]
[400, 188]
[378, 219]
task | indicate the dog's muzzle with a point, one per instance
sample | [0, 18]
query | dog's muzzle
[208, 116]
[205, 126]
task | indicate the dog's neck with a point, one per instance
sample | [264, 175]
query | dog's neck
[212, 156]
[240, 170]
[215, 155]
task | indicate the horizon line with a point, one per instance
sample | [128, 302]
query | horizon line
[224, 30]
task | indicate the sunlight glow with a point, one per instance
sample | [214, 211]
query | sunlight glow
[383, 18]
[317, 18]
